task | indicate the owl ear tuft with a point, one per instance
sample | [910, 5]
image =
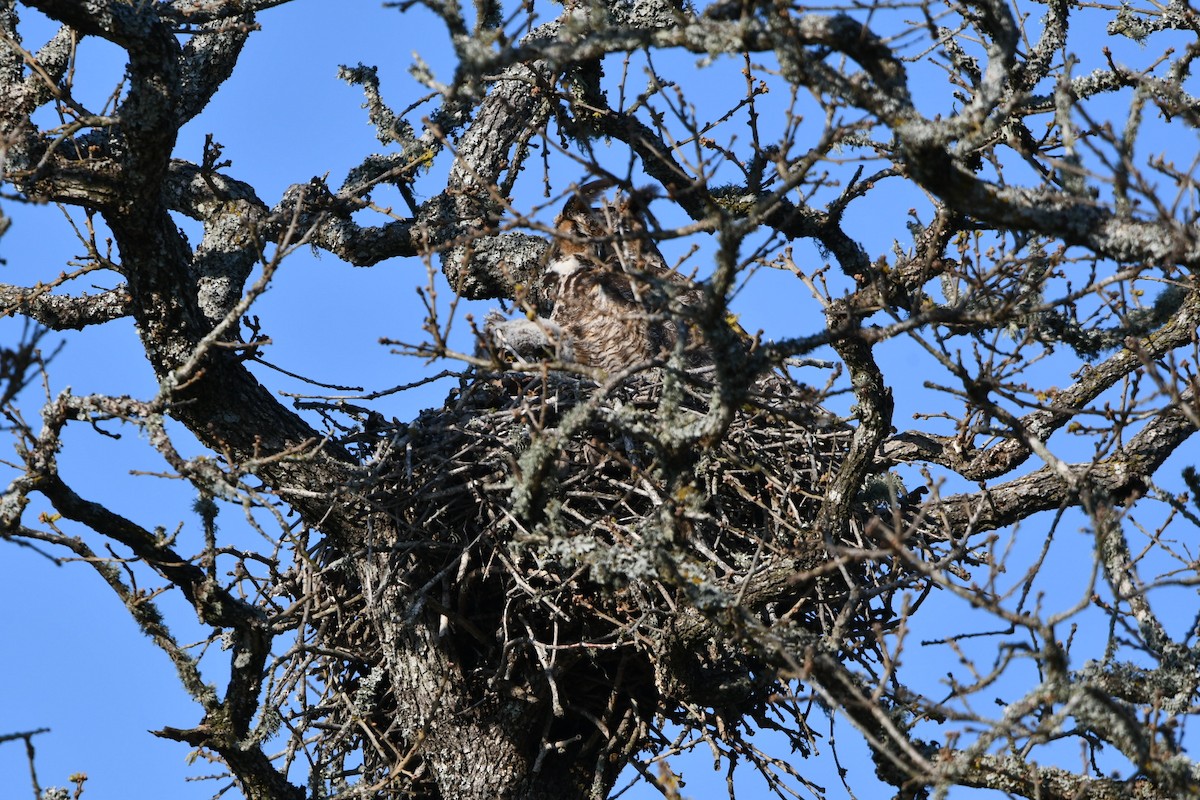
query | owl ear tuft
[580, 201]
[589, 190]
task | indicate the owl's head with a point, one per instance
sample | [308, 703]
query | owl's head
[594, 235]
[580, 227]
[580, 233]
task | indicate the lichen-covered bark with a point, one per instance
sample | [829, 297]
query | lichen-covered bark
[663, 544]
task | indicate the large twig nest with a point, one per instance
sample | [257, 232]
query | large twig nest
[557, 530]
[595, 507]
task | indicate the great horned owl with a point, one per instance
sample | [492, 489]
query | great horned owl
[615, 302]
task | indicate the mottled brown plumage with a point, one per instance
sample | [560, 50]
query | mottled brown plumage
[616, 302]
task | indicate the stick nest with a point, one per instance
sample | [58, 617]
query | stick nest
[570, 539]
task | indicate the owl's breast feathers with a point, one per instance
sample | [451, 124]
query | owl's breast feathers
[597, 313]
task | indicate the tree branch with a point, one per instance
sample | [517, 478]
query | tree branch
[63, 312]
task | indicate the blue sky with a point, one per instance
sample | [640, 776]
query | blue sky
[76, 662]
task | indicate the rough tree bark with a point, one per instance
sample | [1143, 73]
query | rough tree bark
[518, 595]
